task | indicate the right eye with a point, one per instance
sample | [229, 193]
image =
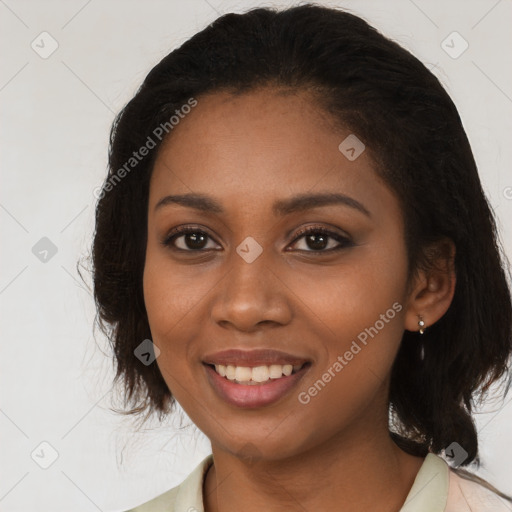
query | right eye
[194, 239]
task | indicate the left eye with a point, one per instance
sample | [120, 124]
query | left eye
[318, 238]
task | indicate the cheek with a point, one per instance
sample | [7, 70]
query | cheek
[170, 294]
[166, 305]
[352, 382]
[363, 308]
[174, 297]
[352, 297]
[166, 308]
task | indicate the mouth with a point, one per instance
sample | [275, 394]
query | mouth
[257, 375]
[252, 387]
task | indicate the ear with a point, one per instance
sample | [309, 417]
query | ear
[433, 289]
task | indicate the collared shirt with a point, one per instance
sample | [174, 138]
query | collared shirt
[436, 488]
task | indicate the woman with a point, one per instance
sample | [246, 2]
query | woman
[294, 244]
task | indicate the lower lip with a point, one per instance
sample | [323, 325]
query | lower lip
[252, 396]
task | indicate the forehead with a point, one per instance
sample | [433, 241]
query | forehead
[262, 144]
[263, 124]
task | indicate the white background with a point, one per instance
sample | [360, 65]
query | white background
[56, 115]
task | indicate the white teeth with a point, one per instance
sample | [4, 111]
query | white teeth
[276, 370]
[230, 372]
[242, 373]
[258, 374]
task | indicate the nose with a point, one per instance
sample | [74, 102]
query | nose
[251, 295]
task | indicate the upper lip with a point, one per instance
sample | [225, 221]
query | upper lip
[252, 358]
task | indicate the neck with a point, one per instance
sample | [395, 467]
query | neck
[349, 473]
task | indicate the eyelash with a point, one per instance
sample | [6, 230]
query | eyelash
[180, 231]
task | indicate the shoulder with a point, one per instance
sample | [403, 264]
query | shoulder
[439, 488]
[186, 496]
[468, 495]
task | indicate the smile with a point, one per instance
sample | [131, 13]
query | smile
[257, 375]
[254, 387]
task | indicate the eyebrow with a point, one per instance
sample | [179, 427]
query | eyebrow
[281, 207]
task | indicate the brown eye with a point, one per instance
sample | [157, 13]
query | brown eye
[319, 239]
[193, 239]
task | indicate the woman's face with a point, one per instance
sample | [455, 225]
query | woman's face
[333, 302]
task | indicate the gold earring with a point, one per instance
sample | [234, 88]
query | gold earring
[421, 324]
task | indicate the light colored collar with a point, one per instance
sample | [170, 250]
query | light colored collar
[190, 493]
[429, 492]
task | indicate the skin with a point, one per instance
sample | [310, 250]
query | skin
[247, 152]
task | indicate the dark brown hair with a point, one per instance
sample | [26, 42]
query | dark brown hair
[413, 131]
